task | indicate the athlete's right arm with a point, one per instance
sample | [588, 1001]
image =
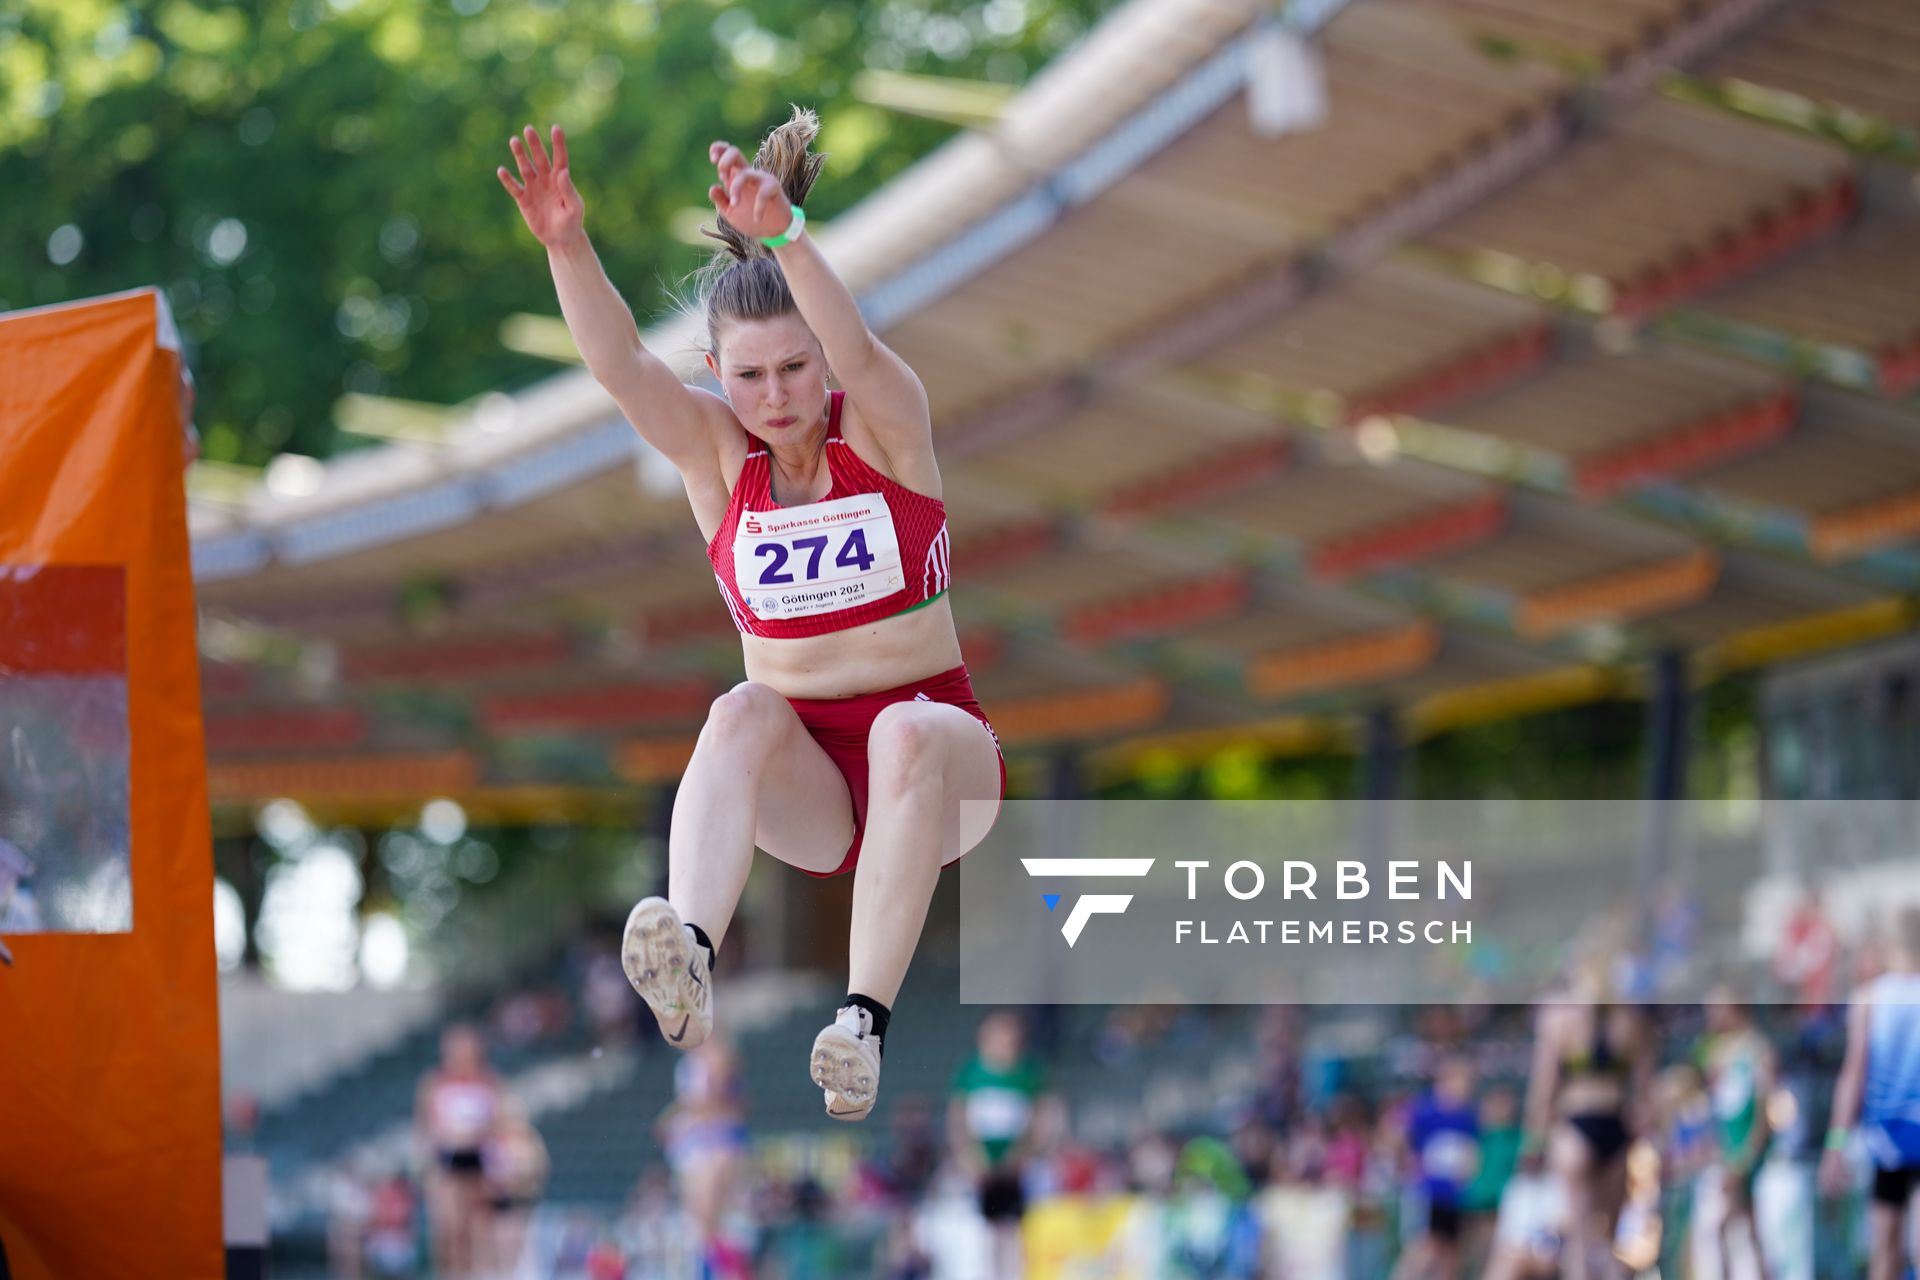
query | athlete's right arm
[1848, 1089]
[1543, 1081]
[423, 1122]
[674, 418]
[667, 412]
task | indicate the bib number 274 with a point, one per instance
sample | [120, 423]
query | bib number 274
[852, 554]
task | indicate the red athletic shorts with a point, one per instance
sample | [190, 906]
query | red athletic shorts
[841, 726]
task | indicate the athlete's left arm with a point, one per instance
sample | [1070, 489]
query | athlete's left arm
[1766, 1075]
[1836, 1171]
[1643, 1061]
[892, 400]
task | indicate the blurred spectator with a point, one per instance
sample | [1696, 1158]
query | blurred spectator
[653, 1231]
[989, 1122]
[1809, 1066]
[1257, 1148]
[19, 910]
[516, 1172]
[608, 999]
[1151, 1162]
[526, 1017]
[1531, 1230]
[605, 1262]
[1808, 958]
[1739, 1068]
[704, 1132]
[243, 1122]
[805, 1246]
[1306, 1220]
[372, 1223]
[1878, 1090]
[1120, 1036]
[902, 1256]
[1675, 937]
[1500, 1141]
[1209, 1228]
[1276, 1066]
[1590, 1079]
[393, 1229]
[913, 1156]
[455, 1110]
[1347, 1146]
[1684, 1113]
[1443, 1139]
[349, 1210]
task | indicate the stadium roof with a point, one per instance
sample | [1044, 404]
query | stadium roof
[1565, 334]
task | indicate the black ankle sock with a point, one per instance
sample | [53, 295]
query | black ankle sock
[881, 1016]
[700, 936]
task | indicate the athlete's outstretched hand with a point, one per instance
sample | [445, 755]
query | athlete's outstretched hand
[545, 191]
[751, 199]
[1836, 1172]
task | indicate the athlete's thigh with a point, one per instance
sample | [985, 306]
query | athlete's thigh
[972, 768]
[976, 777]
[803, 813]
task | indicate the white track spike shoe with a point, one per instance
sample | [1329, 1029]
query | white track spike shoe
[669, 970]
[846, 1064]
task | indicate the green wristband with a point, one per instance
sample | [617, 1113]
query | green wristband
[792, 232]
[1836, 1139]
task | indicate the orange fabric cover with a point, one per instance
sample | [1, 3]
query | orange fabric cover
[109, 1043]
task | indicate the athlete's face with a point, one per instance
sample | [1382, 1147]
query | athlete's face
[1454, 1081]
[1000, 1037]
[774, 375]
[461, 1050]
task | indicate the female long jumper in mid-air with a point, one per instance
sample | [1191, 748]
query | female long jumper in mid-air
[856, 735]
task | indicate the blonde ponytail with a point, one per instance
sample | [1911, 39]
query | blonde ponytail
[785, 155]
[742, 281]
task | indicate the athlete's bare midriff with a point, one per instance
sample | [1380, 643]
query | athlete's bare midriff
[864, 659]
[1585, 1095]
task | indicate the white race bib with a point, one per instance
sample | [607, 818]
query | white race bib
[819, 558]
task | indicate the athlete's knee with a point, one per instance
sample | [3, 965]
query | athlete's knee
[906, 748]
[747, 716]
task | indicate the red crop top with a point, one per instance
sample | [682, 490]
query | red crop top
[868, 550]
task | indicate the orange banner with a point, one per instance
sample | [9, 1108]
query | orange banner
[109, 1036]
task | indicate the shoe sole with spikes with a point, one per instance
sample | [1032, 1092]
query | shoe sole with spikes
[847, 1068]
[664, 965]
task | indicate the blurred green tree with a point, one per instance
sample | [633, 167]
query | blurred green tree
[311, 181]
